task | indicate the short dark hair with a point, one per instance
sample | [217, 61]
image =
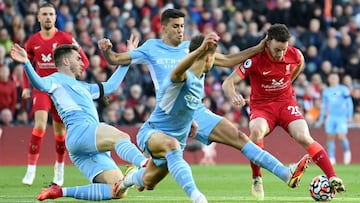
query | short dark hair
[47, 4]
[63, 50]
[171, 13]
[196, 42]
[279, 32]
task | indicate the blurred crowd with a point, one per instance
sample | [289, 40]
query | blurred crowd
[326, 31]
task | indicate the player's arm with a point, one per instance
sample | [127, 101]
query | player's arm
[233, 59]
[299, 68]
[179, 73]
[26, 92]
[228, 87]
[113, 83]
[112, 57]
[19, 54]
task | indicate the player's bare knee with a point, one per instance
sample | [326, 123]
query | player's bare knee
[172, 144]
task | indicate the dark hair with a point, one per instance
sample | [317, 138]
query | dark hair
[63, 50]
[196, 42]
[171, 13]
[279, 32]
[47, 4]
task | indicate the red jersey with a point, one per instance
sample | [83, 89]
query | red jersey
[40, 51]
[270, 80]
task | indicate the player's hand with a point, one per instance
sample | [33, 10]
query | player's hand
[17, 53]
[133, 42]
[194, 129]
[210, 40]
[239, 100]
[262, 44]
[104, 44]
[25, 93]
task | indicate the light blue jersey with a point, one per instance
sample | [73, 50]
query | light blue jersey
[174, 112]
[338, 107]
[161, 60]
[73, 100]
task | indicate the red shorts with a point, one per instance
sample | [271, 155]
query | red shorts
[276, 113]
[42, 101]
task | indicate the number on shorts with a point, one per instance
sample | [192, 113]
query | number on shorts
[294, 110]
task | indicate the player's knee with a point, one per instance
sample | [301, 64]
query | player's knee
[172, 143]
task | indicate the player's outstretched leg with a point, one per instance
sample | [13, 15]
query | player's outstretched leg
[297, 170]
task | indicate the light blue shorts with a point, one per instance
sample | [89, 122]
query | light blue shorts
[334, 126]
[144, 134]
[81, 144]
[206, 121]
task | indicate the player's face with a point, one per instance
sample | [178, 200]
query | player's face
[173, 32]
[76, 64]
[277, 49]
[333, 79]
[47, 18]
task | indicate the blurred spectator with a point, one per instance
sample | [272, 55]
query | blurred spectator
[8, 91]
[300, 84]
[135, 95]
[5, 39]
[353, 68]
[313, 35]
[128, 118]
[313, 113]
[22, 118]
[312, 61]
[4, 59]
[6, 117]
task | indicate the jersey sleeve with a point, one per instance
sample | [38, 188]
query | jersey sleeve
[41, 83]
[244, 68]
[139, 55]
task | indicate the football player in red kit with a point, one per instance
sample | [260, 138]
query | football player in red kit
[273, 101]
[39, 49]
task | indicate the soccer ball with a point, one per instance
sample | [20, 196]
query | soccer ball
[320, 189]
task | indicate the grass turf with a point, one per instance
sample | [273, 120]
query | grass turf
[220, 183]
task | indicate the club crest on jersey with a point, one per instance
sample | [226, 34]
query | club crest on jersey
[46, 58]
[54, 45]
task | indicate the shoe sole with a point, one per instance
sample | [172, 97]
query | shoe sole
[295, 179]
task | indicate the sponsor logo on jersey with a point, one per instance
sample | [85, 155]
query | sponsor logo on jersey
[266, 72]
[46, 58]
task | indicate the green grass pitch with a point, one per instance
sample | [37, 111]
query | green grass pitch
[220, 183]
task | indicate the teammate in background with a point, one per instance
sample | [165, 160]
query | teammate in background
[88, 140]
[162, 56]
[39, 49]
[337, 110]
[273, 101]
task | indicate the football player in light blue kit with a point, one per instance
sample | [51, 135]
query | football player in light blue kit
[337, 110]
[164, 134]
[88, 140]
[162, 56]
